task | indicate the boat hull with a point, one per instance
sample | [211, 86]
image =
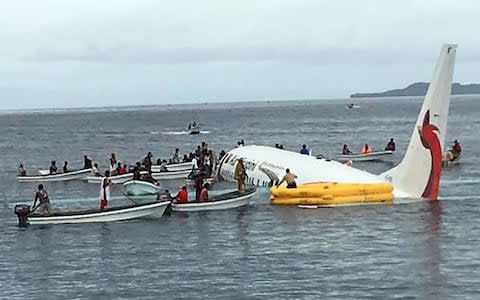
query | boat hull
[140, 188]
[117, 179]
[174, 167]
[171, 175]
[220, 202]
[74, 175]
[372, 156]
[147, 210]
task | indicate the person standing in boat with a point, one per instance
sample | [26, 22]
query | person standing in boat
[53, 168]
[289, 178]
[204, 193]
[87, 162]
[21, 170]
[390, 145]
[105, 190]
[367, 149]
[304, 150]
[176, 156]
[65, 167]
[44, 205]
[113, 162]
[456, 149]
[240, 175]
[345, 150]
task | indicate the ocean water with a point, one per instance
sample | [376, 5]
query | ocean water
[407, 250]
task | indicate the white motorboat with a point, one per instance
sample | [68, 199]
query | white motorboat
[174, 167]
[171, 175]
[376, 155]
[141, 188]
[120, 213]
[219, 202]
[352, 106]
[73, 175]
[194, 129]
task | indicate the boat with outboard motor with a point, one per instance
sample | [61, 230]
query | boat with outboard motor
[72, 175]
[371, 156]
[219, 202]
[141, 188]
[121, 213]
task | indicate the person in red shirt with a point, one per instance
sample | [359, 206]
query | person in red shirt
[456, 149]
[204, 193]
[182, 195]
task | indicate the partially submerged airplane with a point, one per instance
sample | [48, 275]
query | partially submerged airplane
[417, 176]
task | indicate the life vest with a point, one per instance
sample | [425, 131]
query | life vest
[182, 196]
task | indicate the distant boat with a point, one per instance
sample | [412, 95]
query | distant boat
[352, 106]
[376, 155]
[193, 128]
[72, 175]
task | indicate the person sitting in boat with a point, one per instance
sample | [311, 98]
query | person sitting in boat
[65, 167]
[95, 170]
[149, 178]
[289, 178]
[21, 170]
[136, 173]
[182, 195]
[163, 166]
[105, 190]
[304, 150]
[87, 162]
[456, 149]
[176, 157]
[44, 205]
[345, 150]
[390, 145]
[366, 149]
[204, 193]
[119, 170]
[53, 168]
[185, 158]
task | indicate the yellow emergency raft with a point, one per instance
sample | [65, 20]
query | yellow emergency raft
[323, 193]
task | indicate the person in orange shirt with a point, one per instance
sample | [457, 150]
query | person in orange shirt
[182, 195]
[366, 149]
[204, 193]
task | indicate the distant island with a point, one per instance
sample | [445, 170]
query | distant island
[420, 89]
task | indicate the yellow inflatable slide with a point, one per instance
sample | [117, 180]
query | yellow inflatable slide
[331, 193]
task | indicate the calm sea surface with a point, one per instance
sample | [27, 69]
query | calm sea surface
[408, 250]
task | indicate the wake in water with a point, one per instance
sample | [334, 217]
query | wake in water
[183, 132]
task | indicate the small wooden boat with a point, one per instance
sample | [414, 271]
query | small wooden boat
[141, 188]
[174, 167]
[372, 156]
[171, 175]
[73, 175]
[120, 213]
[224, 201]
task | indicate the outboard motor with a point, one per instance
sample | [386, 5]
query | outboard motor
[22, 211]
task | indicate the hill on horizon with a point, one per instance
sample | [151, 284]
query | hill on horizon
[420, 89]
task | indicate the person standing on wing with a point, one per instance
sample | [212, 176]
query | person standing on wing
[240, 175]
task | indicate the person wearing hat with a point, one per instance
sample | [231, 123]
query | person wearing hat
[240, 175]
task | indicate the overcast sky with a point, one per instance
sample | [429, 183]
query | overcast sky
[106, 53]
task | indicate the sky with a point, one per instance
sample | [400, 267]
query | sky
[88, 53]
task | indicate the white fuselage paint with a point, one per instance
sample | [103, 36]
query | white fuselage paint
[307, 168]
